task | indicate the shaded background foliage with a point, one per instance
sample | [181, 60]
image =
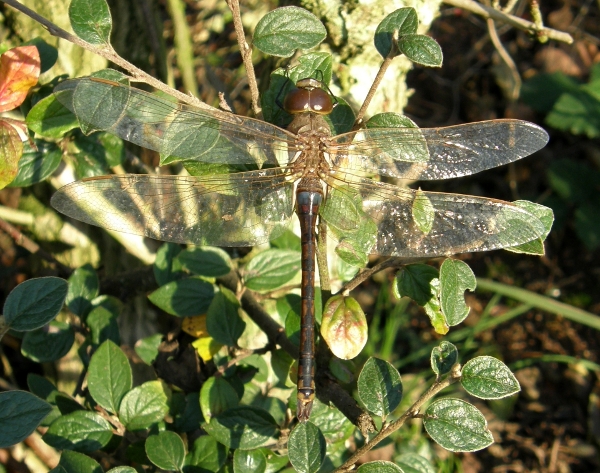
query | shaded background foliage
[553, 424]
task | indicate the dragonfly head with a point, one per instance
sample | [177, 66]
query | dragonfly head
[309, 95]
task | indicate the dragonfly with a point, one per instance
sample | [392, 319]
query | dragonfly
[301, 170]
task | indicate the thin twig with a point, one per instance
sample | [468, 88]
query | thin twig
[376, 82]
[107, 52]
[246, 52]
[367, 273]
[520, 23]
[505, 56]
[183, 45]
[410, 413]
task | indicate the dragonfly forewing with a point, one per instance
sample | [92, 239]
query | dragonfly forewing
[174, 129]
[242, 209]
[436, 153]
[448, 223]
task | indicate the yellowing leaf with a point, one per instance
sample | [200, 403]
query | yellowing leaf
[19, 72]
[195, 326]
[344, 327]
[206, 348]
[11, 150]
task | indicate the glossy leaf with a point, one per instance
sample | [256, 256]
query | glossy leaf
[50, 119]
[423, 212]
[390, 120]
[91, 20]
[455, 278]
[379, 387]
[48, 54]
[344, 327]
[414, 281]
[122, 469]
[413, 463]
[20, 414]
[284, 30]
[48, 343]
[379, 466]
[249, 461]
[103, 325]
[546, 216]
[457, 426]
[11, 150]
[486, 377]
[83, 288]
[271, 269]
[164, 268]
[147, 348]
[73, 462]
[19, 72]
[37, 165]
[206, 454]
[223, 321]
[443, 358]
[204, 261]
[83, 431]
[306, 448]
[185, 297]
[144, 406]
[242, 427]
[421, 49]
[166, 450]
[403, 20]
[34, 303]
[216, 396]
[109, 376]
[433, 309]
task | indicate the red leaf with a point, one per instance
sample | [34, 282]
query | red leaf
[11, 150]
[19, 72]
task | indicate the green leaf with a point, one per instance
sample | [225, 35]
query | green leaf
[413, 463]
[34, 303]
[433, 309]
[249, 461]
[20, 414]
[457, 426]
[306, 448]
[423, 212]
[122, 469]
[114, 148]
[242, 427]
[109, 376]
[390, 120]
[166, 450]
[185, 297]
[544, 215]
[83, 431]
[288, 240]
[164, 268]
[73, 462]
[488, 378]
[48, 343]
[185, 410]
[91, 21]
[587, 225]
[414, 281]
[11, 150]
[443, 358]
[403, 20]
[543, 90]
[40, 386]
[283, 30]
[334, 426]
[37, 165]
[83, 288]
[50, 119]
[421, 49]
[48, 54]
[223, 321]
[379, 387]
[144, 406]
[379, 466]
[206, 261]
[271, 269]
[103, 325]
[147, 348]
[206, 454]
[455, 278]
[216, 396]
[577, 112]
[344, 326]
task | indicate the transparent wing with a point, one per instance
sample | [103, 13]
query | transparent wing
[436, 153]
[241, 209]
[413, 223]
[172, 128]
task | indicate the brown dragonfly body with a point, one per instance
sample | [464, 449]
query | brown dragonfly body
[329, 176]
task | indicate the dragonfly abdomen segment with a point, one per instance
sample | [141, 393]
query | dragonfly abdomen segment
[309, 197]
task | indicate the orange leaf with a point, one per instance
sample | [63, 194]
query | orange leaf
[19, 72]
[11, 150]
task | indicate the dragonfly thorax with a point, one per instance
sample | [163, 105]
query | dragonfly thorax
[308, 96]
